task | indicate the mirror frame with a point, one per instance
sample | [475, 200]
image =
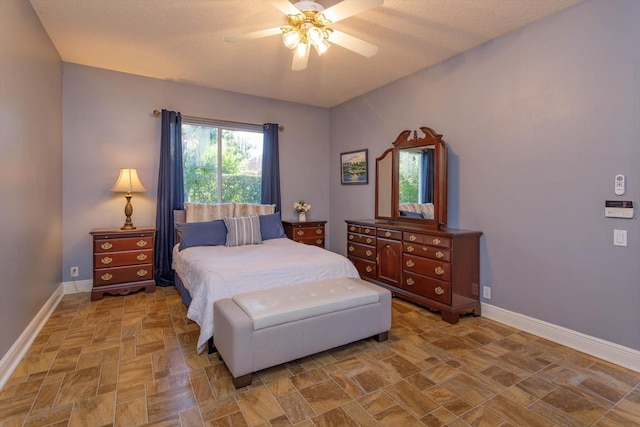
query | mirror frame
[403, 141]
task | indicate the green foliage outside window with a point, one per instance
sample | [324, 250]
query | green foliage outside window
[241, 165]
[409, 175]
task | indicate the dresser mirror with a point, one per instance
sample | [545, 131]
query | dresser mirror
[415, 189]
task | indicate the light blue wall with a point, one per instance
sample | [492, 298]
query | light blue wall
[109, 124]
[30, 169]
[539, 122]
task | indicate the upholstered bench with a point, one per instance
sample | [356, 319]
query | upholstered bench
[265, 328]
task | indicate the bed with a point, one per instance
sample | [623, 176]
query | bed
[208, 269]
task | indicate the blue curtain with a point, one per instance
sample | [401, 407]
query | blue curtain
[170, 194]
[271, 166]
[426, 180]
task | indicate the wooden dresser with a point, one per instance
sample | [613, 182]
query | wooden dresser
[307, 232]
[436, 268]
[122, 261]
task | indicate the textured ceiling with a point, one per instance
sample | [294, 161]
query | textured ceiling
[183, 40]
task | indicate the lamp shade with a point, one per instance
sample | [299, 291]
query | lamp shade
[128, 182]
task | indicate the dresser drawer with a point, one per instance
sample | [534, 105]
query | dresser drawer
[426, 239]
[364, 267]
[428, 287]
[118, 259]
[426, 251]
[122, 244]
[389, 234]
[362, 251]
[425, 266]
[115, 275]
[360, 238]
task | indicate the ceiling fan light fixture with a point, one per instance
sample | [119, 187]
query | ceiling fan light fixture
[322, 46]
[290, 37]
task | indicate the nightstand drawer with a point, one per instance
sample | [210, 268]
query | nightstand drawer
[308, 232]
[119, 259]
[111, 276]
[313, 241]
[123, 244]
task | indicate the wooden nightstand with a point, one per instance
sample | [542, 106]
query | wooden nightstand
[122, 261]
[307, 232]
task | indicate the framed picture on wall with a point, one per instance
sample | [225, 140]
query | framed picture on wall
[354, 167]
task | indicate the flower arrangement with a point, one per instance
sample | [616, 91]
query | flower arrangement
[301, 206]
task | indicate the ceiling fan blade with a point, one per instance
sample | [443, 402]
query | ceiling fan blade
[285, 7]
[300, 57]
[254, 34]
[352, 43]
[347, 8]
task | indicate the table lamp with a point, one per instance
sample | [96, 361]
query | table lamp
[128, 183]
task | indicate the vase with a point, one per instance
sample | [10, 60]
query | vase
[302, 216]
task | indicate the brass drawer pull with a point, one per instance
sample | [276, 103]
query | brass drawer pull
[142, 272]
[369, 240]
[439, 271]
[353, 228]
[106, 245]
[439, 290]
[318, 231]
[107, 276]
[351, 248]
[410, 281]
[387, 233]
[300, 233]
[319, 241]
[368, 253]
[141, 243]
[106, 260]
[367, 230]
[351, 236]
[410, 263]
[409, 249]
[369, 269]
[436, 241]
[439, 254]
[412, 238]
[425, 249]
[142, 257]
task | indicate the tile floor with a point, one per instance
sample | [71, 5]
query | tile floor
[130, 361]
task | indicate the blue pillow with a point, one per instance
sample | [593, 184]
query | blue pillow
[243, 230]
[210, 233]
[271, 226]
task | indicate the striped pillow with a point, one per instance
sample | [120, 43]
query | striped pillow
[243, 230]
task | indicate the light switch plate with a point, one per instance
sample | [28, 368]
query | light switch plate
[619, 237]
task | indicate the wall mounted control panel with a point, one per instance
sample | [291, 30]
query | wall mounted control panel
[618, 209]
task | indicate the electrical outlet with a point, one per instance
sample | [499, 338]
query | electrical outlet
[75, 271]
[486, 292]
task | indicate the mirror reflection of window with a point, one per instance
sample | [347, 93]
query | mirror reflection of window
[416, 175]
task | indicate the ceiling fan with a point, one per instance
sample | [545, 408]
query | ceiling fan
[309, 24]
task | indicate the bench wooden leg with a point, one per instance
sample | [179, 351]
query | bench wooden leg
[382, 336]
[242, 381]
[212, 347]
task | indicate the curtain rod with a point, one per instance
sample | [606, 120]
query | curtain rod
[158, 114]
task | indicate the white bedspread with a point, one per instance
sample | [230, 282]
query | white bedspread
[211, 273]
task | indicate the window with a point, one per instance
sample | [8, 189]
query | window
[222, 162]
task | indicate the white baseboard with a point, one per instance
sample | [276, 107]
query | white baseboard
[611, 352]
[10, 361]
[77, 286]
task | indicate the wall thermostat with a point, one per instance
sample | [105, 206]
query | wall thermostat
[619, 185]
[619, 209]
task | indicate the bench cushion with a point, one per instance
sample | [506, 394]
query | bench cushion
[275, 306]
